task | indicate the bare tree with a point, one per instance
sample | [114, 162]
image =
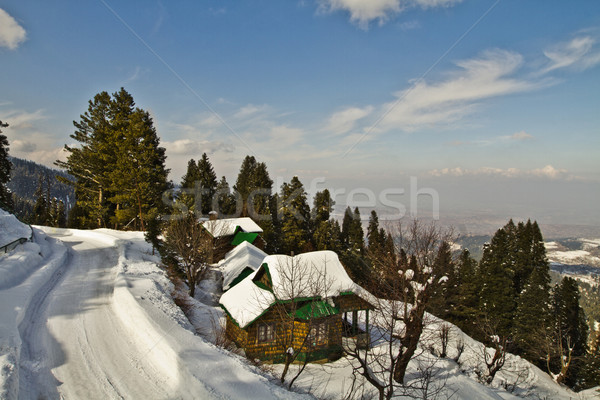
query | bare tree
[190, 247]
[400, 318]
[494, 357]
[300, 313]
[559, 348]
[444, 334]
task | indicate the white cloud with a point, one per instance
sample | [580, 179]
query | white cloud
[480, 78]
[196, 147]
[548, 172]
[410, 25]
[22, 146]
[579, 53]
[522, 135]
[434, 3]
[19, 119]
[345, 120]
[11, 33]
[363, 12]
[284, 135]
[250, 110]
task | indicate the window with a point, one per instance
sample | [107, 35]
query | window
[318, 334]
[266, 333]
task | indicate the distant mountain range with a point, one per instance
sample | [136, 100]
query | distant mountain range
[26, 177]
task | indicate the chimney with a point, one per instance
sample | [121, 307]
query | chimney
[213, 216]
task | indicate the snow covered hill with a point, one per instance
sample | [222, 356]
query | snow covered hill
[89, 314]
[575, 252]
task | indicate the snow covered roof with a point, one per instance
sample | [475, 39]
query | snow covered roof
[229, 226]
[307, 275]
[245, 255]
[318, 273]
[245, 302]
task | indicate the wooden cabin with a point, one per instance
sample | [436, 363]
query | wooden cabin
[298, 304]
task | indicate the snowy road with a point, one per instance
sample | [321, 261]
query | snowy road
[100, 324]
[83, 351]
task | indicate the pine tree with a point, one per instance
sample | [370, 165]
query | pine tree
[532, 317]
[443, 300]
[346, 226]
[61, 215]
[118, 166]
[208, 183]
[5, 168]
[226, 202]
[591, 374]
[327, 236]
[40, 209]
[187, 195]
[570, 332]
[374, 235]
[295, 212]
[524, 263]
[90, 163]
[465, 312]
[139, 176]
[275, 243]
[323, 206]
[356, 235]
[244, 185]
[259, 199]
[497, 299]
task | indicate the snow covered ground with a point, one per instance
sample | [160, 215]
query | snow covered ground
[95, 320]
[458, 380]
[586, 254]
[11, 228]
[89, 314]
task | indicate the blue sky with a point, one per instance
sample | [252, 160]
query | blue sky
[480, 100]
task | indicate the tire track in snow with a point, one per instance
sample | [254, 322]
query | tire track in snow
[35, 378]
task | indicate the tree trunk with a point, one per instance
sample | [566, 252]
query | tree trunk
[100, 207]
[414, 328]
[140, 209]
[288, 361]
[191, 281]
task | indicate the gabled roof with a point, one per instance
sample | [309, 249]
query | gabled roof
[229, 226]
[245, 302]
[245, 255]
[241, 237]
[317, 275]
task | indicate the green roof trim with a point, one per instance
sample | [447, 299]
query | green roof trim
[346, 293]
[241, 237]
[245, 272]
[316, 309]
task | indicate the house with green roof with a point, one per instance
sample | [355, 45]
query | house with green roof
[227, 233]
[305, 304]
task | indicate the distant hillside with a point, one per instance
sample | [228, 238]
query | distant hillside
[25, 176]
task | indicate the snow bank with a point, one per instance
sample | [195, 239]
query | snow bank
[191, 366]
[47, 256]
[12, 229]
